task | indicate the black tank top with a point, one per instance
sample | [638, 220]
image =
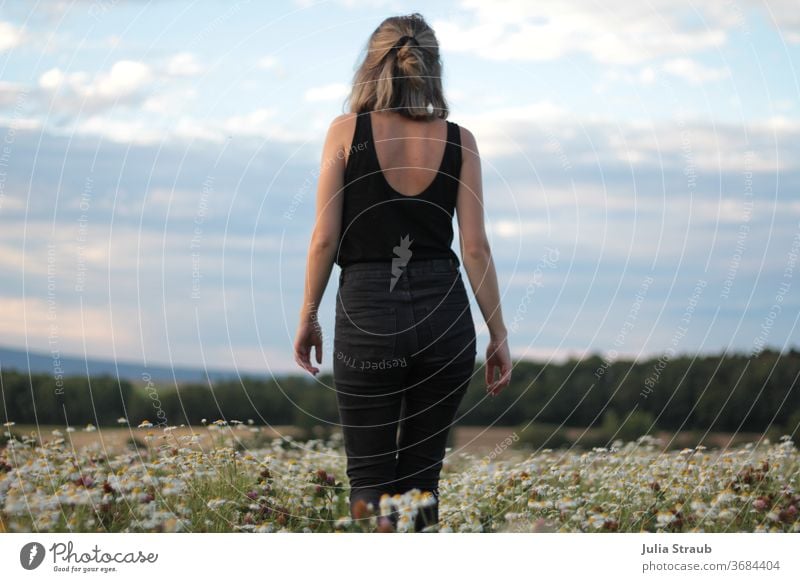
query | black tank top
[379, 223]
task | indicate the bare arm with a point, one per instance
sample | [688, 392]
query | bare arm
[324, 241]
[476, 255]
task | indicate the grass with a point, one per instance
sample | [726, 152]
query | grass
[181, 482]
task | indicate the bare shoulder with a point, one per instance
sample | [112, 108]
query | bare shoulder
[468, 143]
[342, 125]
[341, 129]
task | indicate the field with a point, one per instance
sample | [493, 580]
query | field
[237, 477]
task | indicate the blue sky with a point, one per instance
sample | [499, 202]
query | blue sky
[157, 168]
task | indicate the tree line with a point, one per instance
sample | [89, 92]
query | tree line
[731, 392]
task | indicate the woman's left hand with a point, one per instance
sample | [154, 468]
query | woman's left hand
[308, 334]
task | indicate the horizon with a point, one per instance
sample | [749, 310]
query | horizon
[157, 173]
[228, 373]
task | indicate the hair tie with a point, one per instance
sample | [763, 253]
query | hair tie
[402, 42]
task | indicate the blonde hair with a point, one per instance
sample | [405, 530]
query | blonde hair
[401, 71]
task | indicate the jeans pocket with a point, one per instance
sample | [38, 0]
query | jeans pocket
[453, 331]
[365, 337]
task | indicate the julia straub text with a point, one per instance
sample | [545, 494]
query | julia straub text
[674, 549]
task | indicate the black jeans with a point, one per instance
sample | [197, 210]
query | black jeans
[404, 353]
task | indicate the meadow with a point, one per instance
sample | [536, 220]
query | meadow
[212, 479]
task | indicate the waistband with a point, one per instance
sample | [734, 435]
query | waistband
[419, 266]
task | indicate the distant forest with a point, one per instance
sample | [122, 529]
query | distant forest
[710, 392]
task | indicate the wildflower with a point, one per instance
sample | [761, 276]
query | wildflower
[85, 481]
[760, 504]
[665, 517]
[343, 522]
[215, 504]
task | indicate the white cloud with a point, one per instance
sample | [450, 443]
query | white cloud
[785, 15]
[124, 78]
[647, 75]
[147, 130]
[10, 36]
[272, 64]
[51, 79]
[170, 103]
[30, 320]
[329, 92]
[497, 127]
[619, 32]
[137, 131]
[267, 63]
[693, 72]
[72, 91]
[8, 202]
[183, 65]
[514, 229]
[20, 123]
[545, 134]
[10, 92]
[255, 122]
[554, 355]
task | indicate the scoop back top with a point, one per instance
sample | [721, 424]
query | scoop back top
[381, 224]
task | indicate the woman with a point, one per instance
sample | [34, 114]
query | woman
[394, 172]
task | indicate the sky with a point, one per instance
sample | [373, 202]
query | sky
[641, 166]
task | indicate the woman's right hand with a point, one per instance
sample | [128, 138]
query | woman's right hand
[498, 358]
